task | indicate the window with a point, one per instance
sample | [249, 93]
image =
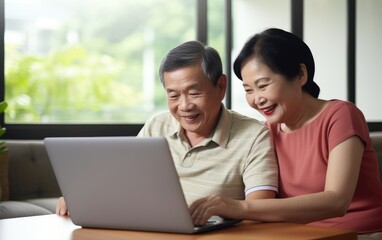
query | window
[216, 28]
[368, 50]
[325, 31]
[90, 67]
[89, 61]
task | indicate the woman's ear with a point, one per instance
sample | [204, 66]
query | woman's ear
[303, 75]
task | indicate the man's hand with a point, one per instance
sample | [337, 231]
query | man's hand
[61, 208]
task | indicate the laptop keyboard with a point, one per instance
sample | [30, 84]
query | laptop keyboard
[208, 223]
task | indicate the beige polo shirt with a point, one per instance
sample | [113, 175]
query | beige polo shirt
[237, 158]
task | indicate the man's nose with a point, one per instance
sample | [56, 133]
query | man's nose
[184, 103]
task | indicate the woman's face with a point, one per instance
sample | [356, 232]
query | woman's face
[279, 100]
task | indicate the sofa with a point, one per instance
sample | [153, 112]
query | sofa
[33, 188]
[376, 137]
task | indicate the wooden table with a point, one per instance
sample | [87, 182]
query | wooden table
[57, 228]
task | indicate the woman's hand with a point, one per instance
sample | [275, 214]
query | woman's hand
[202, 209]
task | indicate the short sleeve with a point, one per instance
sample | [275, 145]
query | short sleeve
[345, 120]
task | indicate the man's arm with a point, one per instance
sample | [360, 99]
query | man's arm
[61, 208]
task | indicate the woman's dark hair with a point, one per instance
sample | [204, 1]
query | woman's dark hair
[282, 52]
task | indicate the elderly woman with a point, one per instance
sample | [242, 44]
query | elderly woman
[328, 169]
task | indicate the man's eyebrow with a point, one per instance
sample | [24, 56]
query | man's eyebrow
[190, 87]
[194, 86]
[169, 90]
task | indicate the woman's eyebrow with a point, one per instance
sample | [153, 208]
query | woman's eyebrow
[260, 79]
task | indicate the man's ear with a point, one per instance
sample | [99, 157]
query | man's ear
[222, 85]
[303, 75]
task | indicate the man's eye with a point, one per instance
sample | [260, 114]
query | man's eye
[248, 91]
[172, 96]
[194, 94]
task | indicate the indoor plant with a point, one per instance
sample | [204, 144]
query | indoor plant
[3, 148]
[4, 191]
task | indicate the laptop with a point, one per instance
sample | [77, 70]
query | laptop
[123, 183]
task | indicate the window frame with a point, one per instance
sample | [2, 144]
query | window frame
[40, 131]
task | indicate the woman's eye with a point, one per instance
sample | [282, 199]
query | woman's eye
[262, 86]
[248, 90]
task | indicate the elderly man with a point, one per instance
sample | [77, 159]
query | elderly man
[217, 152]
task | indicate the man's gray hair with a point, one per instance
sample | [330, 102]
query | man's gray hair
[190, 53]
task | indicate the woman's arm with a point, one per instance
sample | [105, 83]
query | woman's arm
[341, 180]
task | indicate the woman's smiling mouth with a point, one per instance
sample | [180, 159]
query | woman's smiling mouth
[268, 110]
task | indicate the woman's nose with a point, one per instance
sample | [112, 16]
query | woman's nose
[259, 100]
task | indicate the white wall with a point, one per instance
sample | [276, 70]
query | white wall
[369, 58]
[250, 17]
[325, 33]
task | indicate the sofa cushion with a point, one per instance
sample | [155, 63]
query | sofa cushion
[30, 172]
[47, 203]
[376, 138]
[12, 209]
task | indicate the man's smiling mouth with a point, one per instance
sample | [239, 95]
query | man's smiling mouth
[191, 117]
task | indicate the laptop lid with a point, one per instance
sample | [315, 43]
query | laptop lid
[121, 183]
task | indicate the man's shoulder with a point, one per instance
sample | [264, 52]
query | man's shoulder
[243, 126]
[159, 124]
[238, 118]
[161, 118]
[161, 115]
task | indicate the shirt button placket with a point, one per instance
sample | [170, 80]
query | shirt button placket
[188, 159]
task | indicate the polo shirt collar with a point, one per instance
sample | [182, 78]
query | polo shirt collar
[221, 133]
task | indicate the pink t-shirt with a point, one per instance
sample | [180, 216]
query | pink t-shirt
[303, 160]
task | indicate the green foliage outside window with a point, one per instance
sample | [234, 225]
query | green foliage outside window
[65, 82]
[98, 77]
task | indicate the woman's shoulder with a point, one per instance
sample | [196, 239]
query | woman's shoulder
[346, 117]
[342, 107]
[336, 103]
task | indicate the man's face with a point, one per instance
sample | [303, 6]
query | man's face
[193, 100]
